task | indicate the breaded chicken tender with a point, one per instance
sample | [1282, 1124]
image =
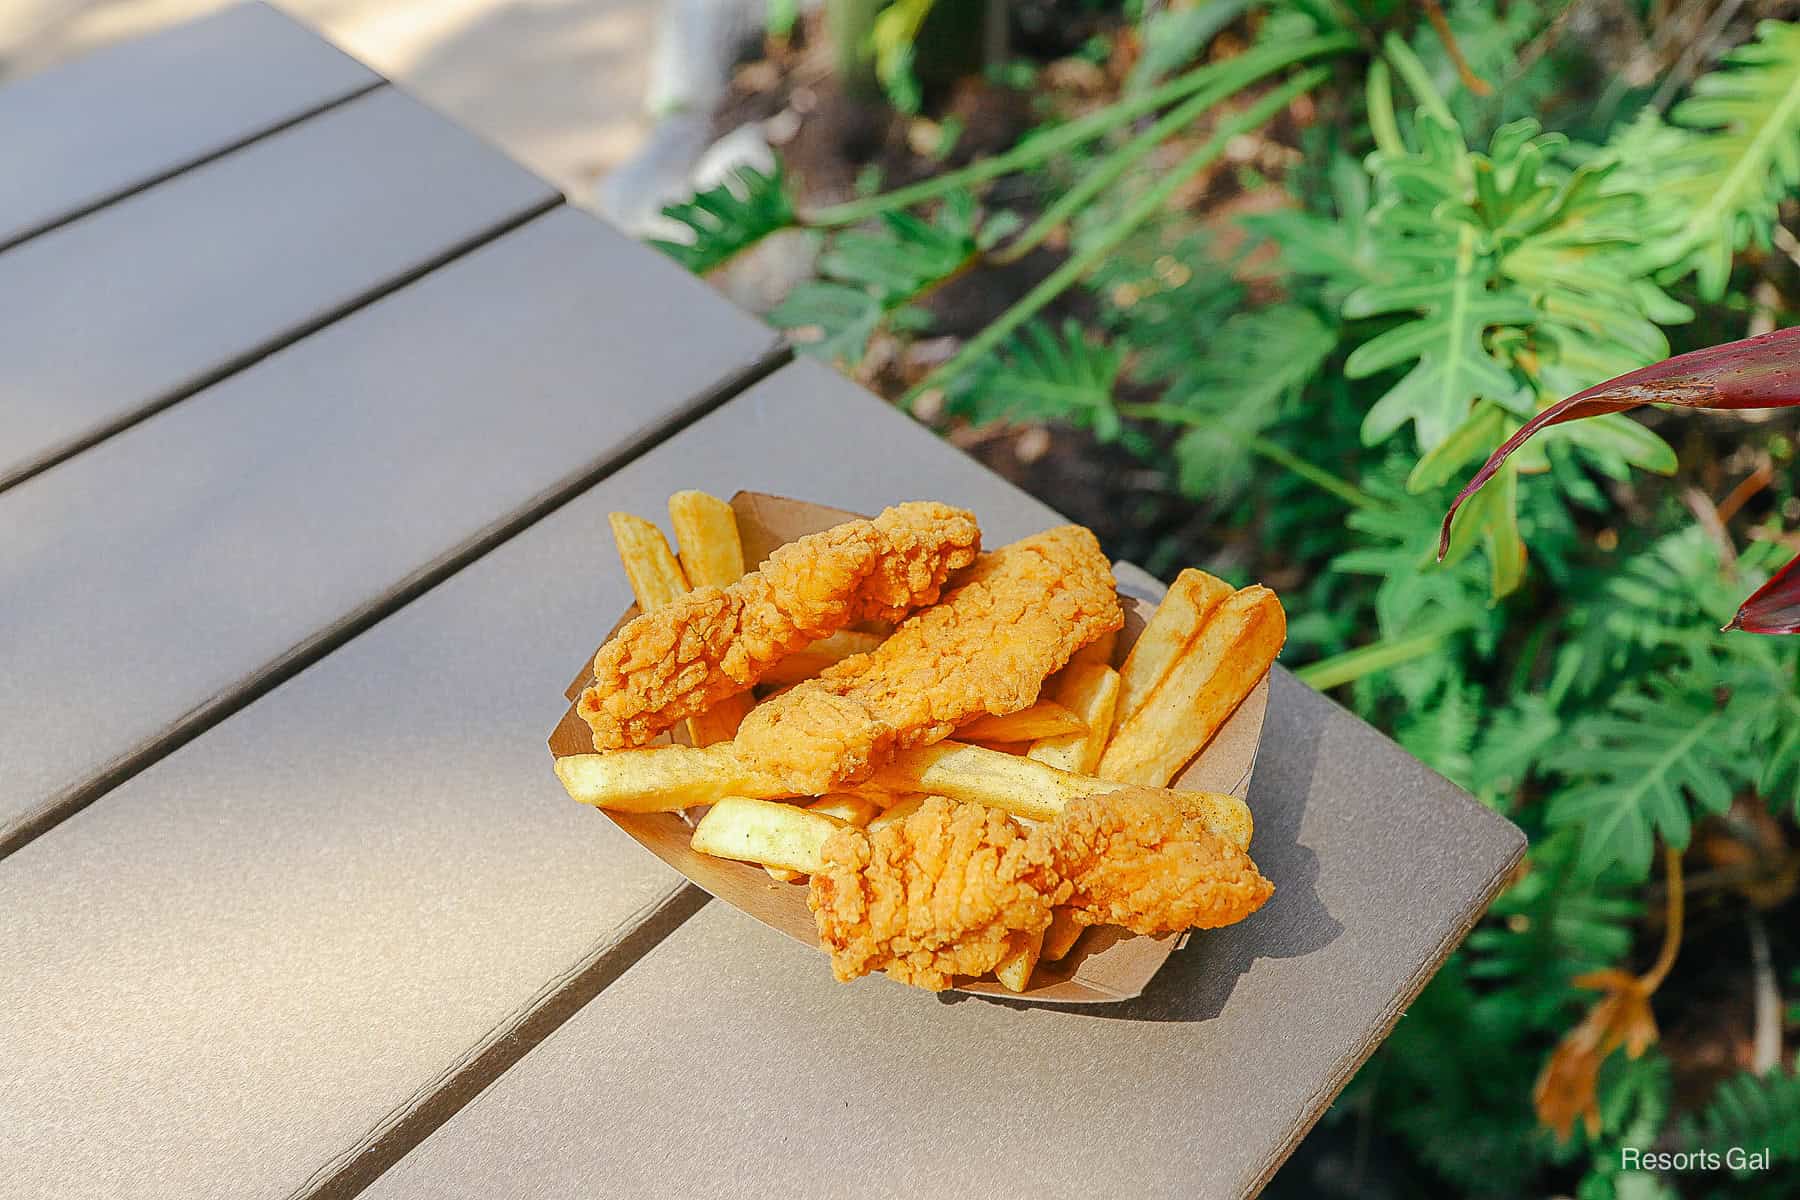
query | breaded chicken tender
[1013, 618]
[930, 897]
[1132, 859]
[940, 893]
[711, 643]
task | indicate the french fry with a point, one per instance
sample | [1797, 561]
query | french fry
[1091, 692]
[1184, 610]
[1033, 790]
[843, 806]
[1014, 971]
[706, 536]
[835, 648]
[1044, 719]
[775, 835]
[662, 778]
[1204, 686]
[1060, 938]
[712, 555]
[1099, 651]
[895, 813]
[656, 578]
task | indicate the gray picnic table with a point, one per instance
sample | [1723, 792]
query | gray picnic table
[312, 408]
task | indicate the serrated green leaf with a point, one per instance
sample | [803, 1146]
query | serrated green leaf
[728, 219]
[841, 317]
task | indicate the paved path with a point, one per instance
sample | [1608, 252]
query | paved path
[558, 84]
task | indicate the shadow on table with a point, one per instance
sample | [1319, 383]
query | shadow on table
[1197, 981]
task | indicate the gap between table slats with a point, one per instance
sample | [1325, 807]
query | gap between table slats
[255, 354]
[190, 725]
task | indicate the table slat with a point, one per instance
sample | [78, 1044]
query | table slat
[83, 133]
[1200, 1087]
[146, 299]
[263, 960]
[154, 580]
[1191, 1090]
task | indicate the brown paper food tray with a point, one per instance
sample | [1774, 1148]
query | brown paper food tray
[1108, 964]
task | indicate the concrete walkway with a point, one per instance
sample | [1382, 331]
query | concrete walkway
[558, 83]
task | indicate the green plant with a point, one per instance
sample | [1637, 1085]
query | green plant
[1451, 265]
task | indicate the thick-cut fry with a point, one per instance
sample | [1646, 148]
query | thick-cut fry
[821, 654]
[655, 576]
[1204, 687]
[1091, 692]
[1014, 971]
[1060, 938]
[758, 831]
[1044, 719]
[1027, 788]
[706, 536]
[712, 555]
[661, 778]
[842, 806]
[1183, 612]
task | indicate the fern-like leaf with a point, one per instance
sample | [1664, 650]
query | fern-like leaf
[1637, 766]
[1041, 376]
[1742, 157]
[873, 275]
[1753, 1112]
[726, 220]
[1550, 927]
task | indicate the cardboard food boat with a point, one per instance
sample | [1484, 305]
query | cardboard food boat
[1108, 964]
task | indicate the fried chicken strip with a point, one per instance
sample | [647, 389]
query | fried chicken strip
[943, 892]
[711, 643]
[932, 896]
[1013, 618]
[1132, 858]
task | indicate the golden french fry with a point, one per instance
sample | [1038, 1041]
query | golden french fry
[1100, 651]
[720, 722]
[712, 555]
[706, 534]
[662, 778]
[1014, 971]
[1091, 692]
[804, 664]
[656, 578]
[1044, 719]
[847, 807]
[898, 812]
[759, 831]
[1060, 938]
[1204, 686]
[841, 806]
[1177, 621]
[1033, 790]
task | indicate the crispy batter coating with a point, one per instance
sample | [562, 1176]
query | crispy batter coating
[1009, 621]
[932, 896]
[1133, 860]
[938, 894]
[682, 659]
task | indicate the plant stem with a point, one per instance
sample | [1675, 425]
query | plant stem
[1109, 239]
[1352, 665]
[1085, 129]
[1417, 78]
[1102, 176]
[1434, 12]
[1276, 453]
[1672, 924]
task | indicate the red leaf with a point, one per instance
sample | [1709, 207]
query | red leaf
[1758, 372]
[1775, 608]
